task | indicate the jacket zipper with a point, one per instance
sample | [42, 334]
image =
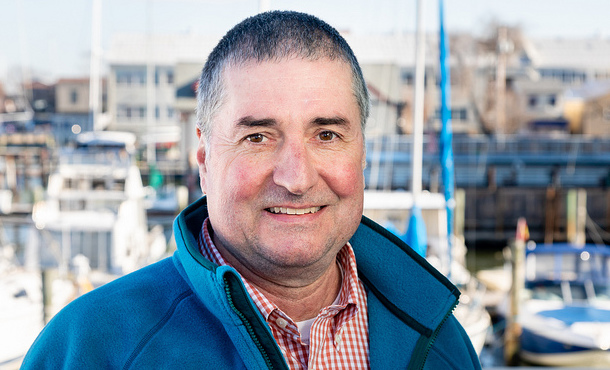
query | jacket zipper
[248, 326]
[435, 334]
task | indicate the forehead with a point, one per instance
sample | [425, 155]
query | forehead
[293, 70]
[291, 86]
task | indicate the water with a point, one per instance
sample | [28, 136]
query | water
[484, 257]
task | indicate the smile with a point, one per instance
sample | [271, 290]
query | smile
[293, 211]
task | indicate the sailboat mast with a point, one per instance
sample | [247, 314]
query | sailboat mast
[418, 109]
[151, 123]
[416, 236]
[94, 65]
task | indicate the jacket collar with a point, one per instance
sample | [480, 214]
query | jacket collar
[401, 279]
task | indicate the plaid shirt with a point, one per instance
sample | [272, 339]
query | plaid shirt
[339, 334]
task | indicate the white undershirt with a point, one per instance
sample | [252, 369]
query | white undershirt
[305, 326]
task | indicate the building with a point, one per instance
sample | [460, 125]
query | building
[388, 65]
[152, 79]
[553, 78]
[588, 109]
[72, 96]
[572, 62]
[41, 97]
[73, 112]
[539, 108]
[16, 114]
[596, 116]
[143, 84]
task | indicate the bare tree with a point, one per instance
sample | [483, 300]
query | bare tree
[495, 101]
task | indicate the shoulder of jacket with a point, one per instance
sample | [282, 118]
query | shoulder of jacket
[109, 323]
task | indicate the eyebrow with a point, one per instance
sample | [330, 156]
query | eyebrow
[331, 121]
[249, 121]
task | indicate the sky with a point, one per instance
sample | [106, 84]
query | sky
[52, 38]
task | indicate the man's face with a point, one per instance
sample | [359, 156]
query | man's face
[284, 172]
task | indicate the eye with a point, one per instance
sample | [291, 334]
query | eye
[327, 135]
[256, 138]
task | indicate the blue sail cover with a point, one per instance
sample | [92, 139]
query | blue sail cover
[417, 236]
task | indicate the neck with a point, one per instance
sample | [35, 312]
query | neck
[302, 302]
[299, 294]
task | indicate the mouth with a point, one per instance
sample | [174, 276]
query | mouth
[293, 211]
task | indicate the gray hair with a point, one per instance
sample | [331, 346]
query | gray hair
[274, 36]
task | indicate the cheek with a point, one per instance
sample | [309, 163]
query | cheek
[240, 179]
[346, 179]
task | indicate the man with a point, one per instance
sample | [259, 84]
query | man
[275, 266]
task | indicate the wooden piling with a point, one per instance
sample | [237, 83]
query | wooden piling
[513, 329]
[550, 214]
[576, 214]
[48, 276]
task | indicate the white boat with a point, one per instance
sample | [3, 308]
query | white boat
[23, 306]
[565, 314]
[94, 207]
[90, 229]
[21, 317]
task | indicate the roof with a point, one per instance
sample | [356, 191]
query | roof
[590, 53]
[139, 49]
[107, 138]
[84, 80]
[540, 86]
[590, 90]
[398, 49]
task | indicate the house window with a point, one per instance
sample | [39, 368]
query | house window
[407, 77]
[139, 77]
[123, 77]
[532, 101]
[461, 114]
[73, 96]
[170, 77]
[457, 114]
[121, 111]
[606, 113]
[552, 100]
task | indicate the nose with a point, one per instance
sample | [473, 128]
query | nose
[295, 169]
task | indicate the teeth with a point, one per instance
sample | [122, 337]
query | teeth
[294, 211]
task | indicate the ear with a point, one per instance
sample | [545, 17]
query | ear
[201, 161]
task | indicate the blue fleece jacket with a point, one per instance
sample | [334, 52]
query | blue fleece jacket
[186, 312]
